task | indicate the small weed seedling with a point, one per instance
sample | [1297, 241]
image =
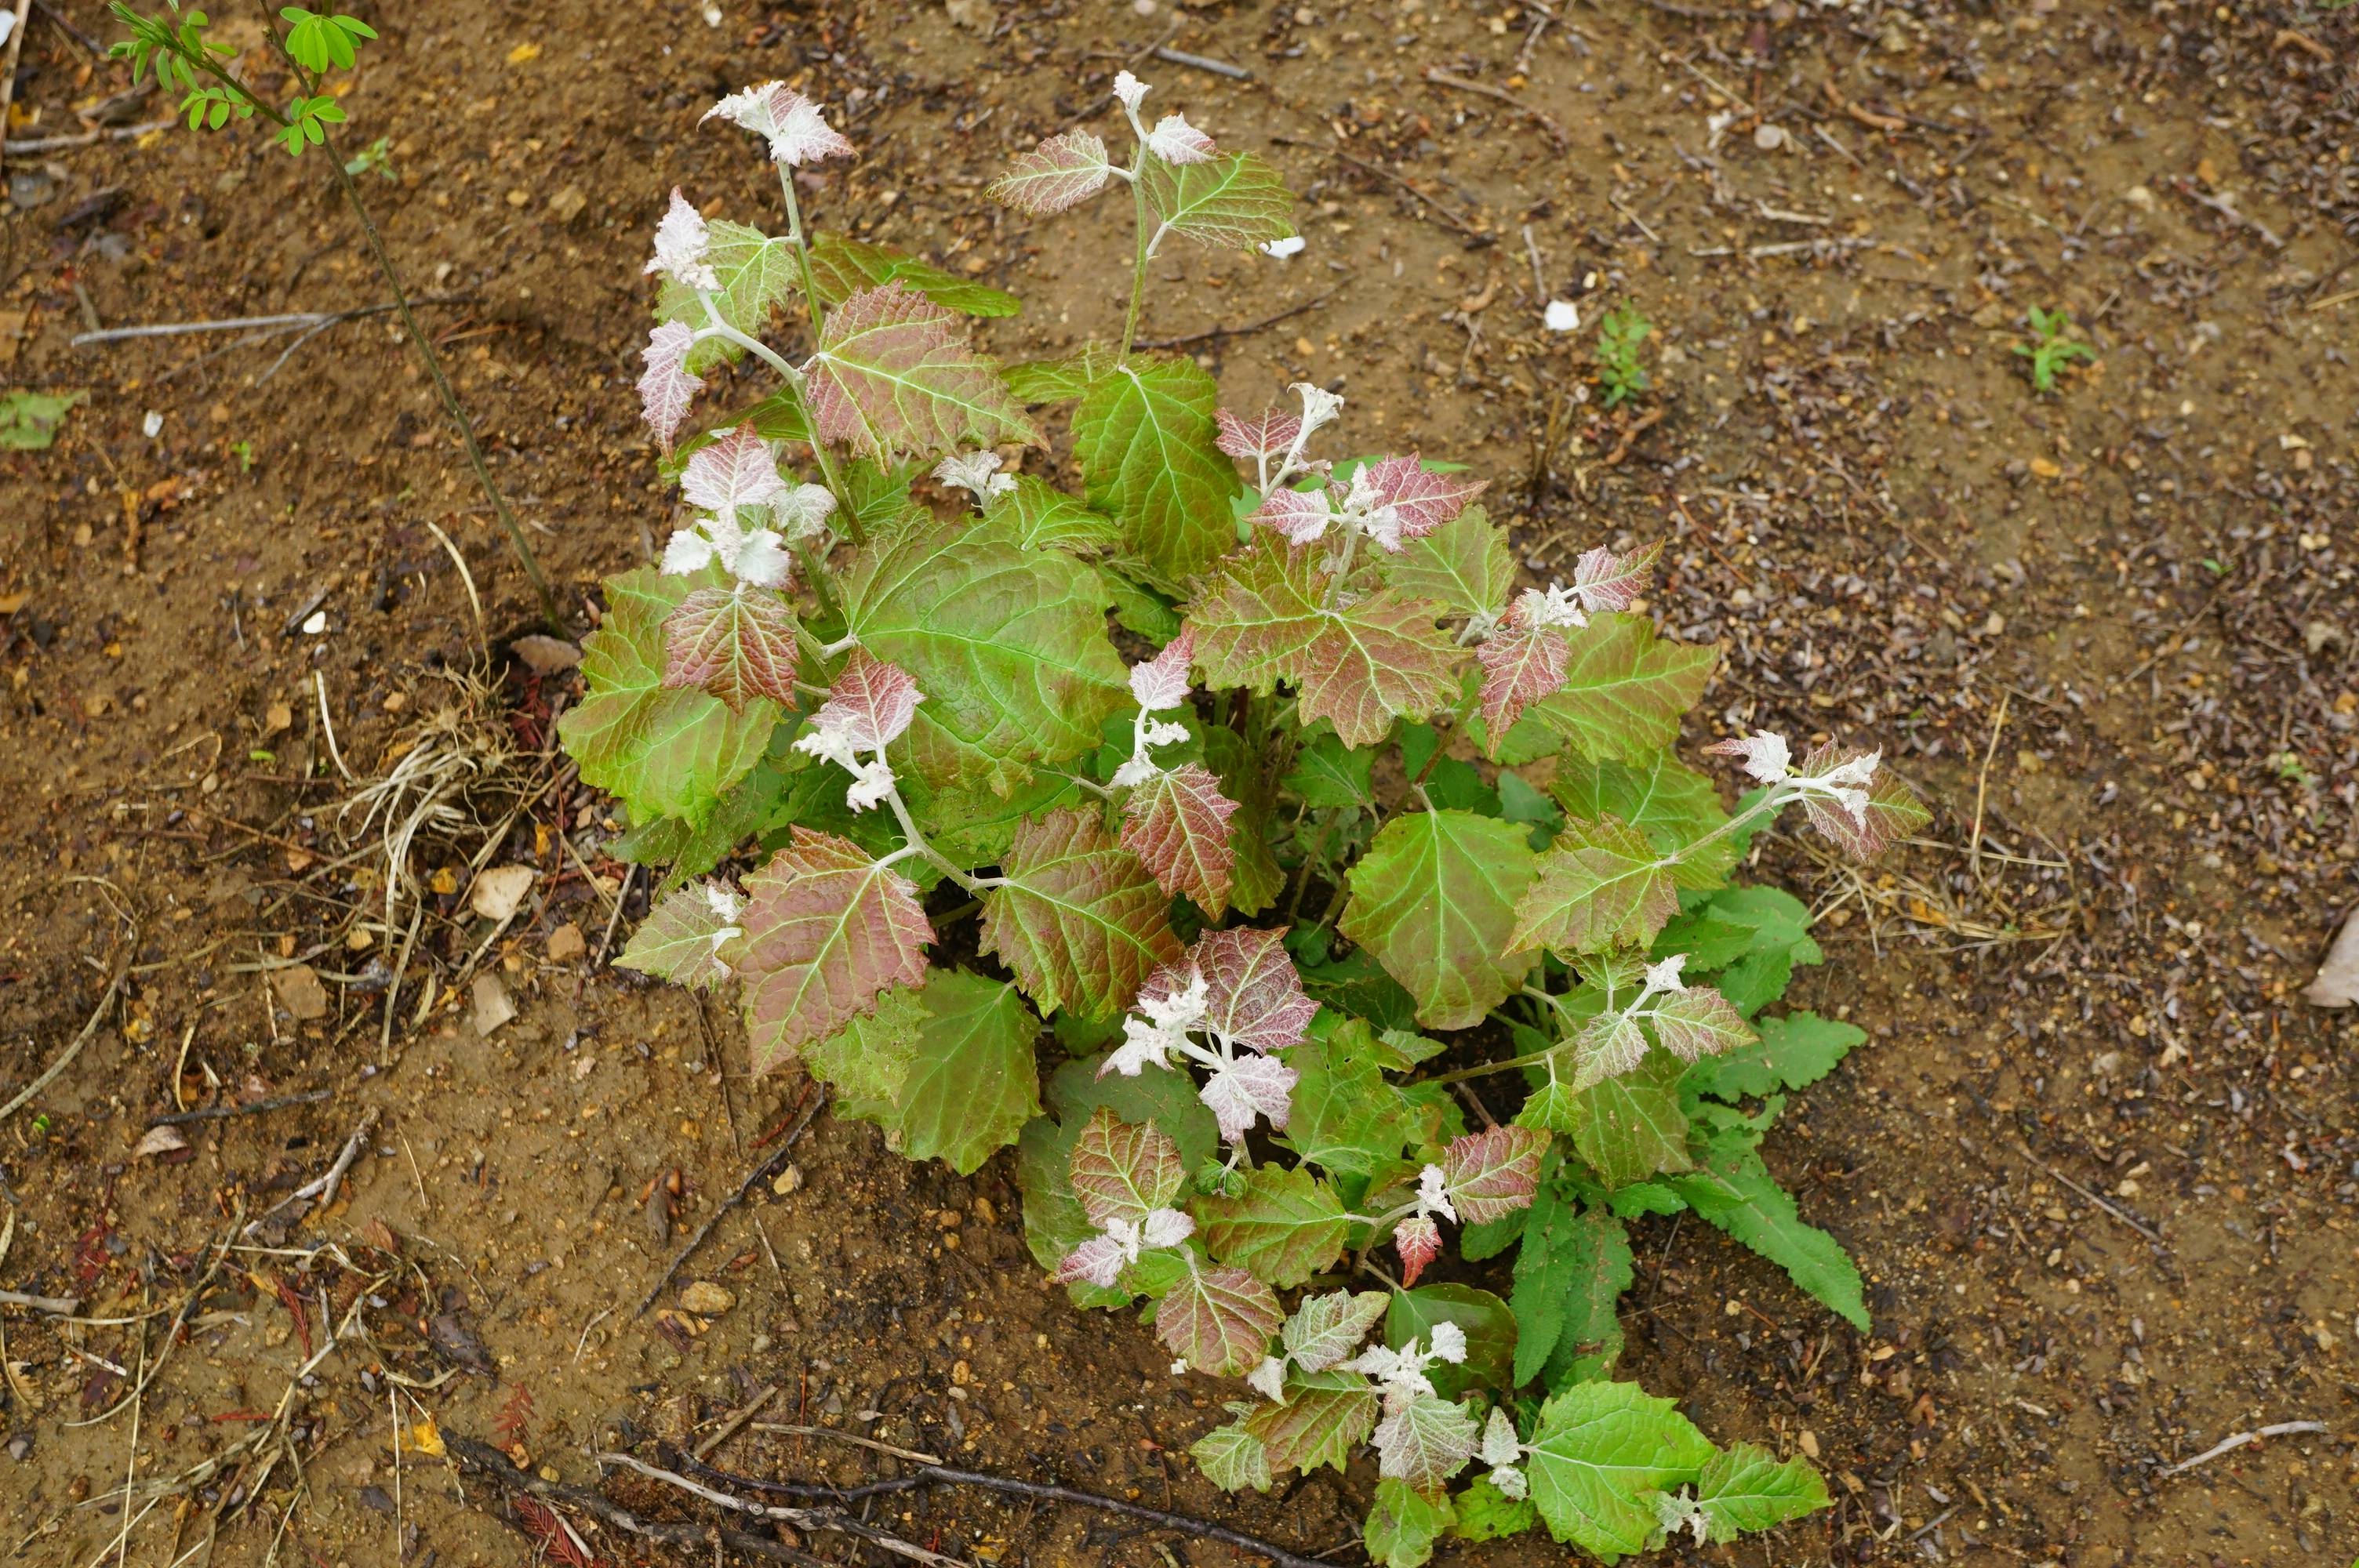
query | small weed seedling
[2050, 348]
[1620, 331]
[916, 714]
[173, 44]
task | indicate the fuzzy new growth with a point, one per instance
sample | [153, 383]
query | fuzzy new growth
[1768, 758]
[872, 705]
[1243, 1085]
[976, 473]
[1160, 686]
[1120, 1242]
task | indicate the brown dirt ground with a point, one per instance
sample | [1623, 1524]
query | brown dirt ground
[2111, 634]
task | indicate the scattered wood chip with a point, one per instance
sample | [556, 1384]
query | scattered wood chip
[544, 655]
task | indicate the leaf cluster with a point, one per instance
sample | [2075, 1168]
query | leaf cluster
[2050, 348]
[174, 45]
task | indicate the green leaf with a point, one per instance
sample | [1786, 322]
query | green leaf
[746, 807]
[1008, 644]
[1037, 516]
[892, 376]
[840, 267]
[1139, 608]
[1286, 1226]
[1791, 1052]
[1060, 380]
[1256, 878]
[1357, 985]
[1600, 1456]
[1570, 1271]
[1662, 797]
[1465, 566]
[866, 1063]
[1404, 1523]
[680, 940]
[1345, 1117]
[1434, 899]
[1078, 1089]
[1329, 775]
[1626, 1128]
[1147, 446]
[1487, 1513]
[758, 276]
[1600, 883]
[1233, 203]
[1323, 1418]
[1077, 918]
[972, 1083]
[667, 752]
[1232, 1458]
[1746, 1487]
[1263, 618]
[1054, 1221]
[1735, 1192]
[29, 421]
[1490, 1329]
[1624, 689]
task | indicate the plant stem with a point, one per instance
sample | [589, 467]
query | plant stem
[1342, 569]
[817, 318]
[1138, 258]
[816, 574]
[943, 863]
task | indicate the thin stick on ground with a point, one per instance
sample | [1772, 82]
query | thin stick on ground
[2230, 1444]
[760, 1172]
[490, 1463]
[222, 1112]
[801, 1519]
[1548, 123]
[65, 1057]
[2143, 1229]
[1210, 334]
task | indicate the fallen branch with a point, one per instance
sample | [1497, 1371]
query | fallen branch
[86, 138]
[305, 322]
[222, 1112]
[801, 1519]
[2142, 1228]
[2230, 1444]
[1201, 62]
[495, 1466]
[1548, 122]
[762, 1172]
[1038, 1491]
[60, 1306]
[1211, 333]
[1444, 213]
[323, 1186]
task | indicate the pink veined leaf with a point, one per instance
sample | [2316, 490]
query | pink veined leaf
[1124, 1169]
[1238, 1091]
[1177, 823]
[1491, 1174]
[1077, 917]
[1301, 515]
[1607, 1046]
[1700, 1021]
[737, 644]
[828, 930]
[1271, 435]
[1418, 1239]
[893, 375]
[1063, 171]
[790, 122]
[1520, 667]
[1252, 995]
[1607, 581]
[666, 389]
[871, 703]
[1098, 1261]
[738, 470]
[1892, 810]
[1422, 499]
[1161, 683]
[1219, 1321]
[1174, 141]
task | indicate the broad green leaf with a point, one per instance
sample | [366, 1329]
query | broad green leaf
[1357, 985]
[1465, 566]
[680, 940]
[1404, 1523]
[746, 807]
[1699, 1023]
[1745, 1488]
[1008, 644]
[892, 377]
[29, 421]
[1490, 1329]
[1740, 921]
[667, 752]
[1600, 1455]
[1232, 1458]
[826, 930]
[1256, 878]
[1791, 1052]
[758, 275]
[1735, 1191]
[972, 1083]
[1077, 918]
[1571, 1273]
[1329, 775]
[1078, 1089]
[1600, 883]
[1487, 1513]
[1627, 1127]
[1234, 201]
[1646, 1198]
[866, 1062]
[1624, 689]
[1060, 380]
[1323, 1419]
[841, 267]
[1662, 797]
[1263, 618]
[1287, 1226]
[1038, 516]
[1426, 1442]
[1219, 1320]
[1139, 608]
[1345, 1117]
[1147, 443]
[1054, 1220]
[1434, 899]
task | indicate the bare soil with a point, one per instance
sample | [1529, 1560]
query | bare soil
[2099, 1162]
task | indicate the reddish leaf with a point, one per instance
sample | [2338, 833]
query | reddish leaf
[1219, 1321]
[1607, 581]
[892, 376]
[1252, 995]
[1271, 435]
[827, 930]
[1893, 810]
[1491, 1174]
[1077, 918]
[666, 389]
[1519, 667]
[1422, 499]
[738, 470]
[1317, 1425]
[790, 122]
[736, 644]
[1063, 171]
[1301, 515]
[1177, 823]
[1124, 1169]
[1418, 1241]
[871, 702]
[1698, 1021]
[1600, 883]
